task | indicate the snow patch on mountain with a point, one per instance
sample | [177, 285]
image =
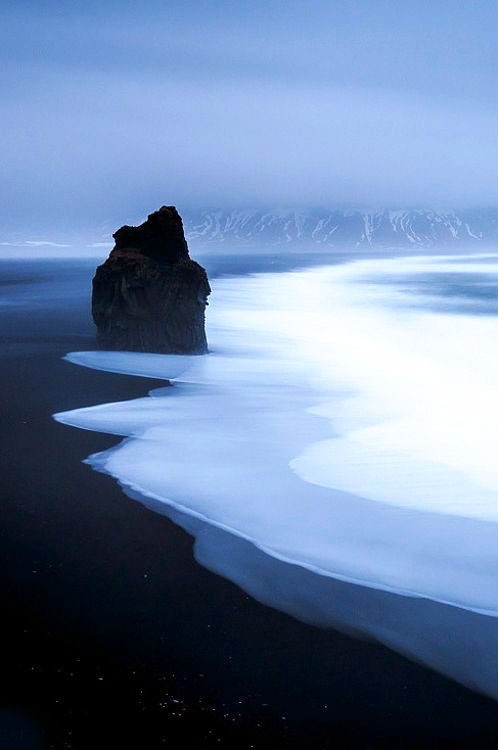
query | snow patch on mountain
[386, 228]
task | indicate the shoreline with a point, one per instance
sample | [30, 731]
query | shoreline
[96, 586]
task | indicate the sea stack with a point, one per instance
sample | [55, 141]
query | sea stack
[149, 296]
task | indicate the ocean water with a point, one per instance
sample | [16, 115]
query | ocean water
[335, 453]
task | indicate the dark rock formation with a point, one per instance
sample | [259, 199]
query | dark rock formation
[149, 296]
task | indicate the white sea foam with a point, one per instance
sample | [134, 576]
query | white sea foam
[457, 642]
[132, 363]
[334, 425]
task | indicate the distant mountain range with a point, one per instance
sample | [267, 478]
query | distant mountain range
[226, 230]
[414, 228]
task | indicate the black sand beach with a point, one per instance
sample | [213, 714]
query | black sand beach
[114, 636]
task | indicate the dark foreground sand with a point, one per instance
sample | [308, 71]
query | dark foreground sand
[114, 637]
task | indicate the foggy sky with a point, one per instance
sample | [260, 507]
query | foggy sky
[114, 108]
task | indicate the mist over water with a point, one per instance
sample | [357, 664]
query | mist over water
[342, 431]
[263, 104]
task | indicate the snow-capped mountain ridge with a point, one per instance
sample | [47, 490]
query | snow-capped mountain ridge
[417, 228]
[256, 230]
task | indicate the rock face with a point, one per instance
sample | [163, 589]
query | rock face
[149, 296]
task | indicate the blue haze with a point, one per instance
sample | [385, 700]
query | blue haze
[113, 108]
